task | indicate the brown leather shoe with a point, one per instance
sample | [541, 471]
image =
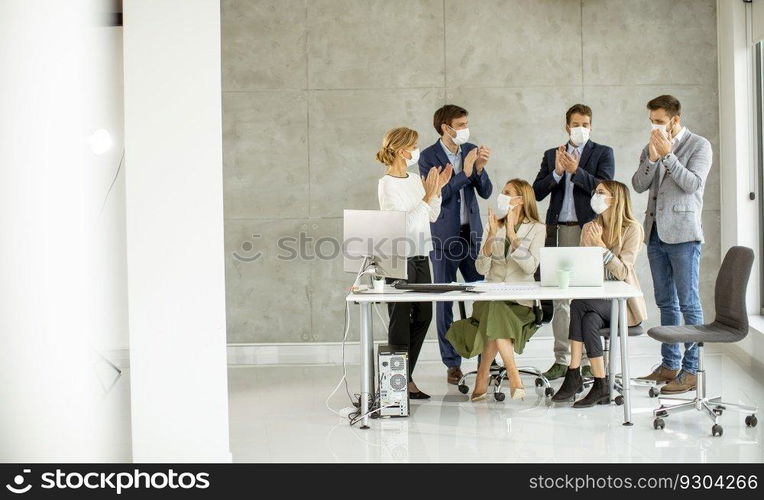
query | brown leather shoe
[454, 375]
[661, 375]
[684, 382]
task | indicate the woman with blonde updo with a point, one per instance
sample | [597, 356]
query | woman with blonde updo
[420, 198]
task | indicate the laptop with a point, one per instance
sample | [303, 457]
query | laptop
[585, 265]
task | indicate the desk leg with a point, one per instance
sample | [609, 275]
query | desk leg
[623, 330]
[613, 344]
[367, 362]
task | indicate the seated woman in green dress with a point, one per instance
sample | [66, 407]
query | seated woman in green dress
[512, 242]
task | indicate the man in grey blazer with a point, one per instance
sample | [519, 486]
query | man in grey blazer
[674, 166]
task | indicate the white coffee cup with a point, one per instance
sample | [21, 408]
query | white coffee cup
[563, 278]
[379, 283]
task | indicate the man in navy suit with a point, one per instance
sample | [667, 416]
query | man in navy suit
[570, 173]
[457, 232]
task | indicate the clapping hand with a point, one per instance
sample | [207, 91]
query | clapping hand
[483, 154]
[493, 223]
[559, 167]
[431, 184]
[593, 235]
[511, 220]
[569, 162]
[659, 145]
[469, 161]
[445, 176]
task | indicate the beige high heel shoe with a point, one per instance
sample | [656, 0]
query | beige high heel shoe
[477, 397]
[517, 393]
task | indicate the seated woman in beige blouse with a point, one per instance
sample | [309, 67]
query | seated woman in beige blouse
[509, 253]
[620, 235]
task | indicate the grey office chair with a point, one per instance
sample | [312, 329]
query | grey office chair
[730, 325]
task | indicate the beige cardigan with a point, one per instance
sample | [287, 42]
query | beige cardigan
[622, 268]
[520, 264]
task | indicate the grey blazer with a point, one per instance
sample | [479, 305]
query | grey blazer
[676, 204]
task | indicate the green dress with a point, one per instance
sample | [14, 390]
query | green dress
[493, 320]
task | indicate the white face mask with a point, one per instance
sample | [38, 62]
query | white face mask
[599, 203]
[414, 158]
[504, 205]
[579, 135]
[462, 136]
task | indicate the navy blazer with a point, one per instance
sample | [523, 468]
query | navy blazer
[448, 224]
[597, 163]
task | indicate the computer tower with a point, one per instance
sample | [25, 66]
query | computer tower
[393, 369]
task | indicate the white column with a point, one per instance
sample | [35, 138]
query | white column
[736, 138]
[174, 200]
[61, 279]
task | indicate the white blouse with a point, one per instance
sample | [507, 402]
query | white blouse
[405, 194]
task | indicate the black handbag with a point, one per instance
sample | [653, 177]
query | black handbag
[543, 309]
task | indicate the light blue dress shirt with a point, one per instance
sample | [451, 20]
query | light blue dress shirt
[455, 159]
[568, 212]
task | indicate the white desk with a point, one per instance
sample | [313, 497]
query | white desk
[615, 291]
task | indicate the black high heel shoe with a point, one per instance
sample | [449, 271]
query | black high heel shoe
[418, 395]
[571, 386]
[598, 395]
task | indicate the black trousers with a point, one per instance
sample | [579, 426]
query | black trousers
[409, 321]
[587, 316]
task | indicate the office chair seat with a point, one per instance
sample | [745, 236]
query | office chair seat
[634, 331]
[695, 333]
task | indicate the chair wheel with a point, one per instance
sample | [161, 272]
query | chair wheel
[539, 382]
[718, 412]
[549, 392]
[751, 421]
[375, 415]
[499, 396]
[464, 389]
[619, 400]
[659, 424]
[654, 392]
[717, 430]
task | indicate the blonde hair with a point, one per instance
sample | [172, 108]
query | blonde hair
[529, 209]
[395, 140]
[621, 213]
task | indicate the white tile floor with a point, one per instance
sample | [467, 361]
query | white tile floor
[277, 414]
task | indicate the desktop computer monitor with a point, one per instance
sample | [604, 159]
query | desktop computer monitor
[375, 237]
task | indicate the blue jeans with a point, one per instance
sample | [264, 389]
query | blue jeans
[676, 280]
